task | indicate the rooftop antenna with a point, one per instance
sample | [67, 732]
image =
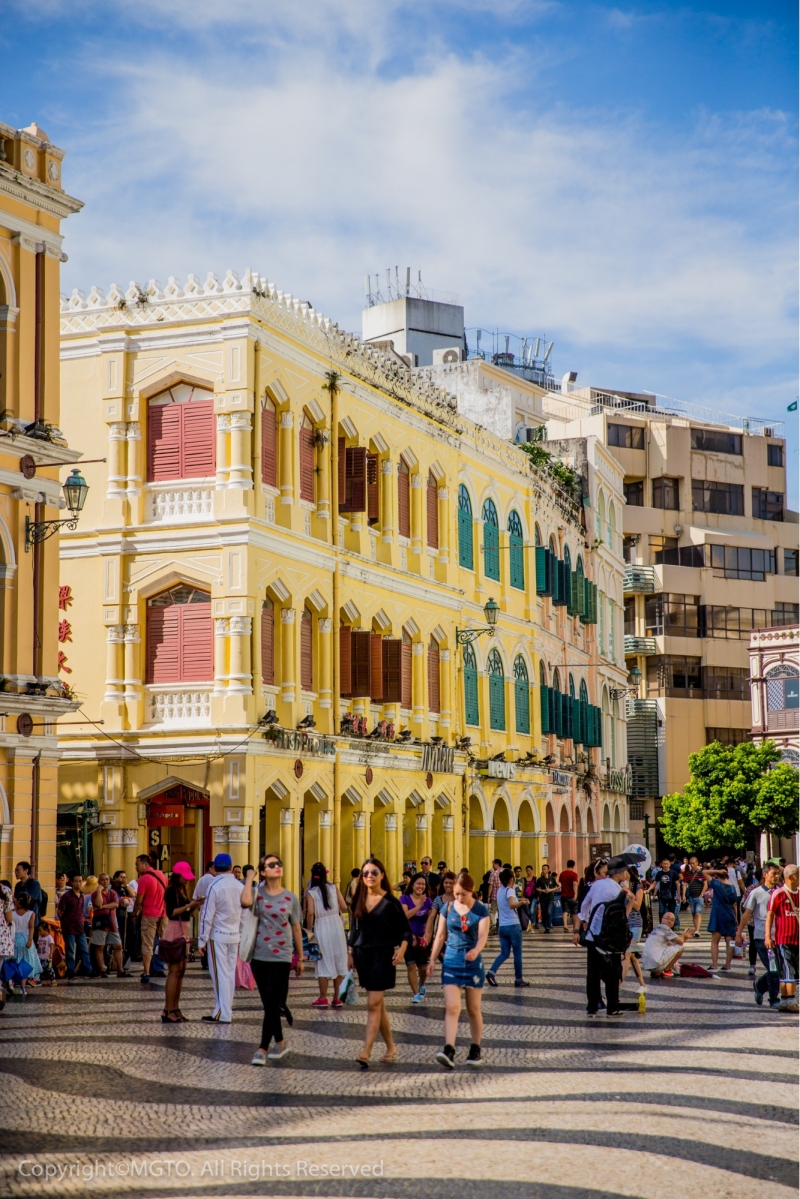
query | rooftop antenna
[478, 337]
[397, 281]
[367, 288]
[408, 279]
[524, 349]
[547, 352]
[507, 341]
[536, 346]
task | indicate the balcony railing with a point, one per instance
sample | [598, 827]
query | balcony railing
[786, 718]
[639, 645]
[179, 501]
[178, 705]
[640, 579]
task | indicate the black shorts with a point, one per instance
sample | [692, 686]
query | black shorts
[374, 968]
[569, 906]
[418, 955]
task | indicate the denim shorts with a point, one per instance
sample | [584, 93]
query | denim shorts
[696, 905]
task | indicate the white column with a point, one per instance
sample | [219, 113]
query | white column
[223, 449]
[287, 655]
[115, 636]
[117, 468]
[221, 632]
[240, 473]
[387, 501]
[286, 457]
[444, 690]
[240, 680]
[325, 626]
[417, 515]
[134, 460]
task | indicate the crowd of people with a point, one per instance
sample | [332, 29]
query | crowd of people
[253, 931]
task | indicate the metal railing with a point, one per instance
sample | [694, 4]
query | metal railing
[639, 645]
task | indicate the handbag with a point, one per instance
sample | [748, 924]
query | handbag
[244, 975]
[248, 927]
[524, 914]
[171, 952]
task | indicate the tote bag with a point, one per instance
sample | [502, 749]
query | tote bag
[248, 927]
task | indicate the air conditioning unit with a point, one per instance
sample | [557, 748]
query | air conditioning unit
[446, 357]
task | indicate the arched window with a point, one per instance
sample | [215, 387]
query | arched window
[571, 686]
[542, 674]
[403, 499]
[556, 680]
[522, 700]
[614, 719]
[579, 566]
[465, 558]
[471, 710]
[268, 642]
[491, 541]
[497, 691]
[601, 622]
[269, 443]
[432, 511]
[601, 513]
[553, 549]
[782, 688]
[612, 617]
[537, 535]
[433, 676]
[611, 526]
[180, 434]
[584, 694]
[516, 551]
[307, 460]
[306, 651]
[180, 637]
[567, 560]
[406, 672]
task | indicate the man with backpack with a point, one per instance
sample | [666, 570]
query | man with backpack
[28, 885]
[602, 926]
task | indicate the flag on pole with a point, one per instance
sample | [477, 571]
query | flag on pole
[792, 407]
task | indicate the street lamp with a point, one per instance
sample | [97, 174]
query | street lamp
[491, 611]
[634, 679]
[75, 491]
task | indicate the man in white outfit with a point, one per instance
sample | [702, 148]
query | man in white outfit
[219, 935]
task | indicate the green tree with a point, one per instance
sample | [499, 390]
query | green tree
[734, 792]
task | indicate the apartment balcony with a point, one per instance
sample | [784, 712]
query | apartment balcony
[639, 645]
[639, 579]
[183, 500]
[782, 721]
[178, 705]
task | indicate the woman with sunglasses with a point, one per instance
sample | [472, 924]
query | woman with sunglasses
[379, 934]
[278, 937]
[462, 933]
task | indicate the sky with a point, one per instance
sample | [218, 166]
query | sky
[621, 180]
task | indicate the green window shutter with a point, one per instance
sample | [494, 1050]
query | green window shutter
[472, 714]
[497, 703]
[584, 721]
[573, 602]
[560, 583]
[583, 596]
[544, 573]
[517, 555]
[567, 715]
[576, 721]
[491, 551]
[522, 707]
[592, 603]
[465, 540]
[544, 704]
[555, 712]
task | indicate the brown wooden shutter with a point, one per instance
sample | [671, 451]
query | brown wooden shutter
[392, 670]
[403, 501]
[307, 464]
[432, 493]
[433, 675]
[406, 698]
[197, 642]
[342, 469]
[376, 667]
[197, 439]
[306, 652]
[269, 446]
[355, 480]
[361, 662]
[163, 442]
[345, 660]
[268, 643]
[373, 489]
[163, 645]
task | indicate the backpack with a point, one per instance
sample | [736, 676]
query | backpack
[43, 902]
[614, 935]
[692, 970]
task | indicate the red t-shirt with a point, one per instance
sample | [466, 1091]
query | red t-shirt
[784, 923]
[568, 879]
[152, 886]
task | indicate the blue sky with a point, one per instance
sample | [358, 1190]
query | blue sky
[621, 179]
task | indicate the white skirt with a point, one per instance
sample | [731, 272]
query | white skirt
[332, 947]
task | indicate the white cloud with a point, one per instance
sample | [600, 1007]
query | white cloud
[626, 242]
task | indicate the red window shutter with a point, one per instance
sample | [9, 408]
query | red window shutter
[269, 446]
[361, 662]
[268, 643]
[433, 513]
[307, 464]
[163, 645]
[376, 667]
[345, 661]
[392, 670]
[342, 470]
[403, 501]
[355, 482]
[163, 442]
[373, 489]
[406, 698]
[197, 439]
[433, 676]
[306, 652]
[197, 643]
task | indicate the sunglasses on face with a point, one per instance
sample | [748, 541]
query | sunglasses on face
[272, 865]
[370, 873]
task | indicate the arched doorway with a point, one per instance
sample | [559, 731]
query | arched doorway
[501, 823]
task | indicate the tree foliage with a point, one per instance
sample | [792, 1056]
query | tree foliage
[734, 792]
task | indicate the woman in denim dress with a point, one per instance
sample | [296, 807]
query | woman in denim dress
[463, 933]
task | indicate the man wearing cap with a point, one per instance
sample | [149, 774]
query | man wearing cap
[219, 934]
[603, 967]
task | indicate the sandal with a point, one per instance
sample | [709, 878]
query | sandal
[167, 1018]
[124, 974]
[363, 1061]
[390, 1057]
[181, 1018]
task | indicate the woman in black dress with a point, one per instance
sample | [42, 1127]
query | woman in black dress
[379, 934]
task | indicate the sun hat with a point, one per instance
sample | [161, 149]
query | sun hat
[184, 870]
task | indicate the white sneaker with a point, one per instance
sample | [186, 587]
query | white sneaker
[259, 1058]
[278, 1051]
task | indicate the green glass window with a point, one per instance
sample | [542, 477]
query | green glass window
[516, 551]
[491, 541]
[497, 692]
[471, 709]
[522, 703]
[465, 558]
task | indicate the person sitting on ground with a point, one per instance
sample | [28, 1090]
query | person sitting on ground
[663, 947]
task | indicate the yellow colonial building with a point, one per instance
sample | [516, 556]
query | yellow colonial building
[33, 454]
[275, 591]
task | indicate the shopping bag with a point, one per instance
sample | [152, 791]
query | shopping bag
[348, 991]
[248, 927]
[244, 975]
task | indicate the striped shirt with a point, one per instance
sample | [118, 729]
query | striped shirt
[783, 905]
